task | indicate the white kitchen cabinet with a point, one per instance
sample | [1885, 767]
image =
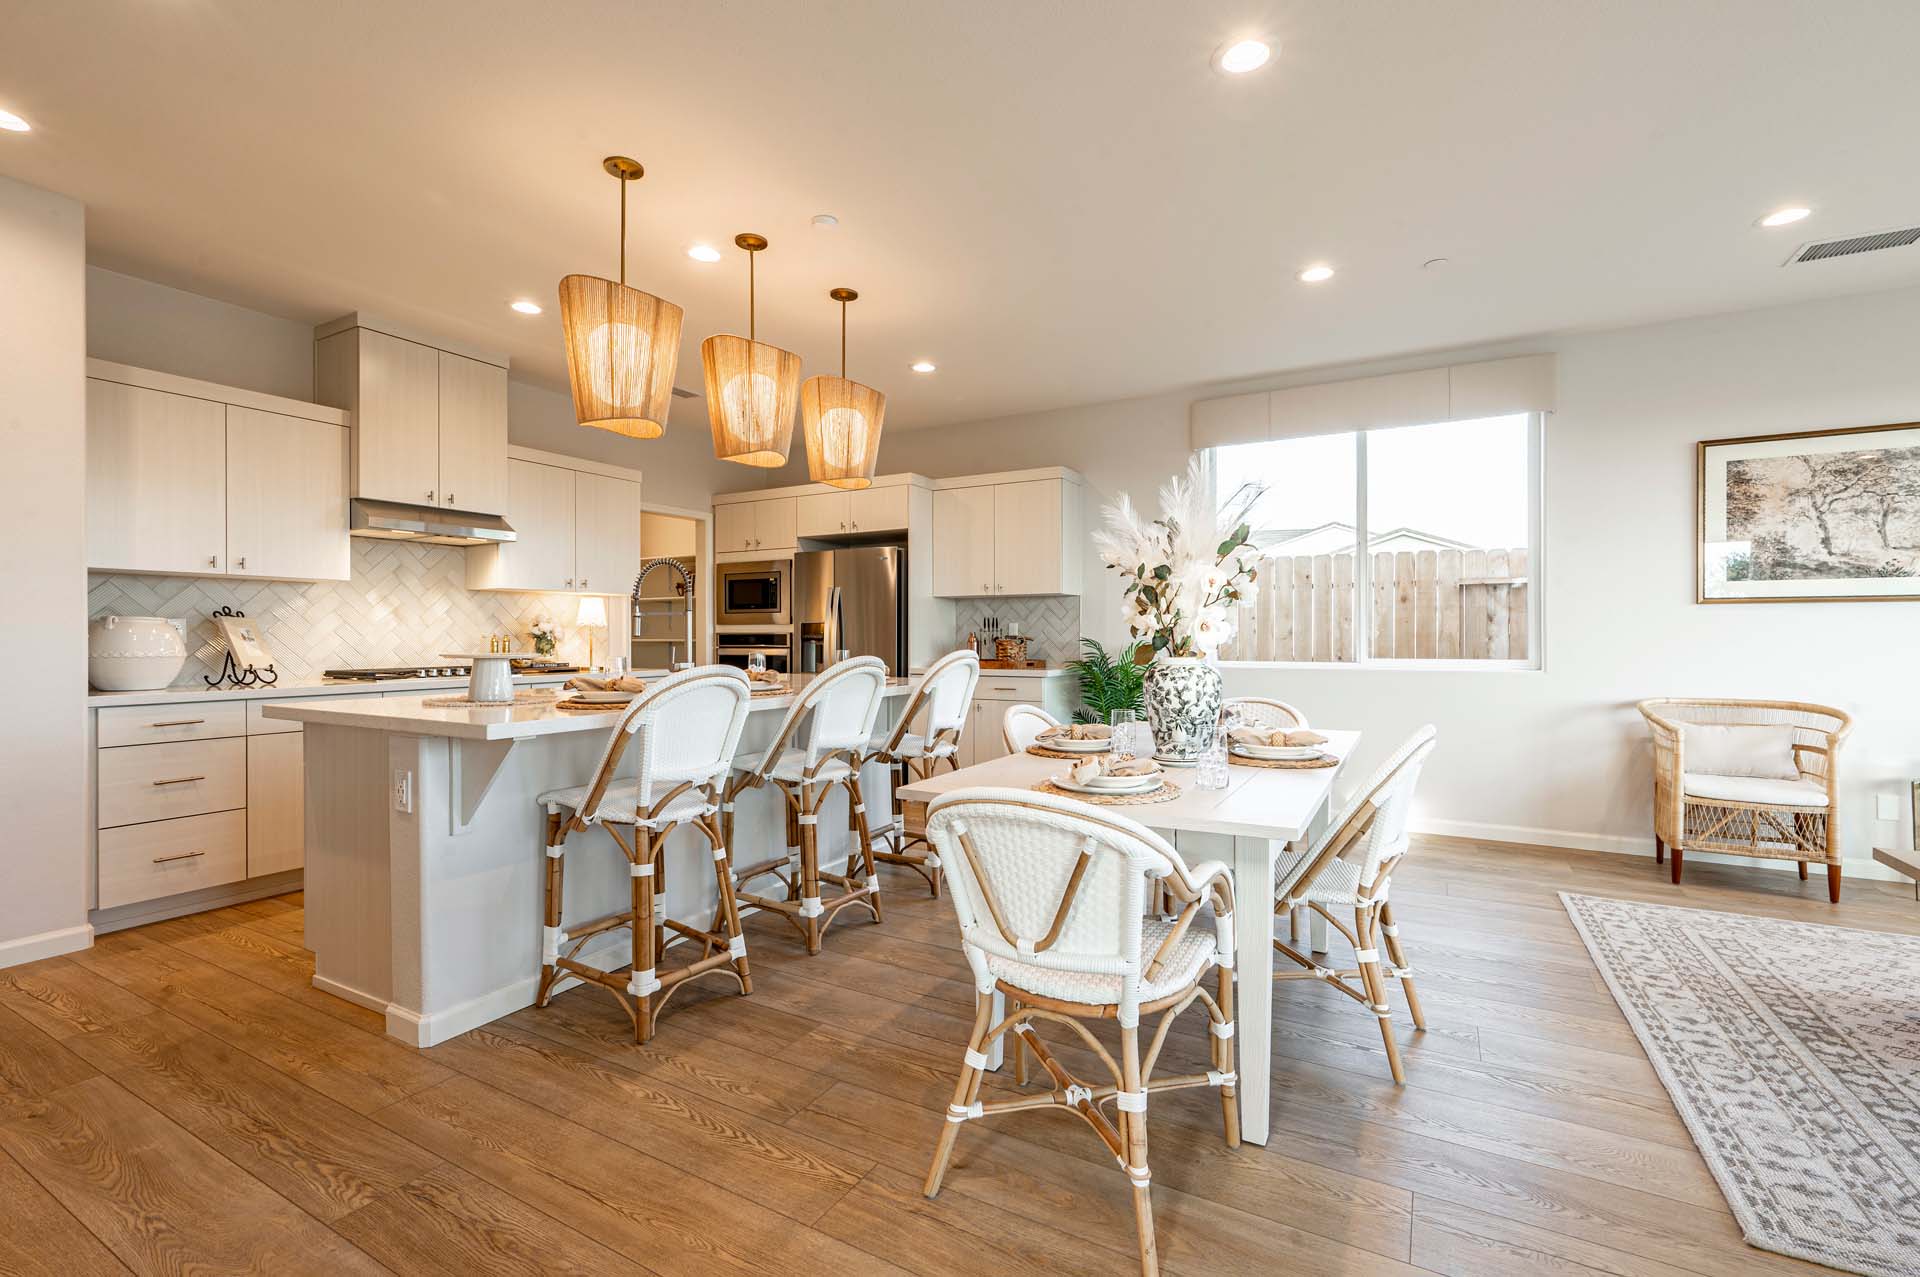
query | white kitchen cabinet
[733, 527]
[473, 434]
[276, 802]
[771, 525]
[156, 481]
[606, 533]
[429, 425]
[286, 483]
[838, 514]
[1023, 536]
[963, 542]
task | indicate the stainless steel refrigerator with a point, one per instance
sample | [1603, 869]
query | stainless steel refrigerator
[853, 600]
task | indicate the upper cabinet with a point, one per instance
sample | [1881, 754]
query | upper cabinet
[577, 528]
[429, 425]
[189, 478]
[754, 525]
[1018, 533]
[839, 514]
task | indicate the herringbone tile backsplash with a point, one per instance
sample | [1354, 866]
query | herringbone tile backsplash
[405, 605]
[1051, 623]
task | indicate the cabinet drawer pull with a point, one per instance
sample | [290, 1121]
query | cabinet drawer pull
[179, 722]
[177, 780]
[185, 855]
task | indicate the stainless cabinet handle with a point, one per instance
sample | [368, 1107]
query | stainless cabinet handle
[241, 562]
[583, 582]
[178, 780]
[569, 583]
[178, 722]
[449, 498]
[185, 855]
[213, 560]
[429, 494]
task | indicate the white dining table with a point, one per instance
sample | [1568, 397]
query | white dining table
[1247, 825]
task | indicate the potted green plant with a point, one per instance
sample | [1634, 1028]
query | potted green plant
[1108, 681]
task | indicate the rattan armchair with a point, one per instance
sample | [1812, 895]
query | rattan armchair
[1773, 820]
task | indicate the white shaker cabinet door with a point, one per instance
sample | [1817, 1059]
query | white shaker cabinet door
[821, 514]
[286, 497]
[397, 420]
[607, 533]
[733, 527]
[276, 803]
[540, 508]
[156, 481]
[878, 509]
[1028, 538]
[473, 435]
[776, 523]
[963, 542]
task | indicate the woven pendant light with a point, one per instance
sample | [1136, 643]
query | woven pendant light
[842, 420]
[752, 387]
[622, 344]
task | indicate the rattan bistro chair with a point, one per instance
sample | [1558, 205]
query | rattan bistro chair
[1350, 868]
[1261, 711]
[944, 699]
[685, 729]
[804, 764]
[1021, 725]
[1781, 817]
[1051, 896]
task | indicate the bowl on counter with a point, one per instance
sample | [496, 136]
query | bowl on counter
[133, 653]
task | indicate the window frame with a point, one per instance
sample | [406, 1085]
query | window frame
[1535, 660]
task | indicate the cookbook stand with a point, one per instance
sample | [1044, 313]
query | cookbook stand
[235, 636]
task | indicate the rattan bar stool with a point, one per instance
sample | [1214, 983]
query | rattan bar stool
[838, 709]
[1350, 867]
[1021, 725]
[686, 728]
[1051, 896]
[944, 697]
[1261, 711]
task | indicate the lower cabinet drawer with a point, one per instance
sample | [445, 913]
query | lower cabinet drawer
[258, 724]
[167, 857]
[158, 782]
[175, 721]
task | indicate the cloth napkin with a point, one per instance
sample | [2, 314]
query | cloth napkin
[1298, 738]
[1103, 765]
[766, 678]
[1078, 731]
[618, 683]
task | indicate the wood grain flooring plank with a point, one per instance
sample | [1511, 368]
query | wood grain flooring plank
[160, 1199]
[41, 1238]
[62, 999]
[1458, 1241]
[34, 1063]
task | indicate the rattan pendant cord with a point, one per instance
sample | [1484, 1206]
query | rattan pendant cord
[752, 388]
[623, 345]
[842, 420]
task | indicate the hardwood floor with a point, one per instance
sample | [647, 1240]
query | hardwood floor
[179, 1098]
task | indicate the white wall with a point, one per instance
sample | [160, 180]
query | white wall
[42, 563]
[1560, 756]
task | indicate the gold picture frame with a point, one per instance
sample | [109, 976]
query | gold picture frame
[1808, 517]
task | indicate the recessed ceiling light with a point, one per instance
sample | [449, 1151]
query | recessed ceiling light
[703, 253]
[1242, 56]
[1316, 274]
[923, 365]
[13, 123]
[825, 221]
[526, 307]
[1785, 216]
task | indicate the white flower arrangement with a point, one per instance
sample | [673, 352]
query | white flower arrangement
[1188, 569]
[546, 634]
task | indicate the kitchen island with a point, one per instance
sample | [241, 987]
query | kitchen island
[424, 847]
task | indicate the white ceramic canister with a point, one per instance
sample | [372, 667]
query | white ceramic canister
[133, 653]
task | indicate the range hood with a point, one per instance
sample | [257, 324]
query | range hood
[392, 521]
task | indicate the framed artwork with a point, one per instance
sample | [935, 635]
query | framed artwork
[1824, 516]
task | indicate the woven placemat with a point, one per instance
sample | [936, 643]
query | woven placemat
[1168, 791]
[1041, 751]
[1287, 764]
[771, 691]
[524, 696]
[591, 707]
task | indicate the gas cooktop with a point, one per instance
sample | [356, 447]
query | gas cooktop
[387, 673]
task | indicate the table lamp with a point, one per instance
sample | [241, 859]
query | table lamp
[593, 615]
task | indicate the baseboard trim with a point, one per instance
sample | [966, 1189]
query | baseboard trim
[347, 993]
[1614, 844]
[205, 900]
[46, 944]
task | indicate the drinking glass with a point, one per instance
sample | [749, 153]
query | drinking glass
[1131, 737]
[1212, 771]
[756, 662]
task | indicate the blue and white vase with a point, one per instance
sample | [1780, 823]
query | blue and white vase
[1183, 707]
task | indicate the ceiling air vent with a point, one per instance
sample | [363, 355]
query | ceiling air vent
[1822, 249]
[683, 394]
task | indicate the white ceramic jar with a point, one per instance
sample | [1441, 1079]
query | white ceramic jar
[133, 653]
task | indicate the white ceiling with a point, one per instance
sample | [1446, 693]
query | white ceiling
[1058, 202]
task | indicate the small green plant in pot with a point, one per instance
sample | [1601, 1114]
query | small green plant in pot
[1108, 681]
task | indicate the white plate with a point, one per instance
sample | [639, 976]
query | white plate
[1067, 746]
[1277, 753]
[1143, 785]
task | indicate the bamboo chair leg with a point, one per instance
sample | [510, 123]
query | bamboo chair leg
[963, 1092]
[809, 875]
[1659, 851]
[1375, 983]
[657, 845]
[729, 906]
[1133, 1129]
[1223, 1057]
[644, 944]
[1399, 957]
[556, 895]
[1017, 1041]
[857, 803]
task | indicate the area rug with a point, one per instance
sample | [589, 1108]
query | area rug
[1792, 1051]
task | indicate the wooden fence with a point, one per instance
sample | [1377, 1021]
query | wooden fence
[1431, 604]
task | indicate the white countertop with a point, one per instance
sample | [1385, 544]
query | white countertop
[312, 687]
[1052, 671]
[410, 716]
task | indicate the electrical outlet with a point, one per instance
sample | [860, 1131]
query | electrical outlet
[1887, 806]
[403, 792]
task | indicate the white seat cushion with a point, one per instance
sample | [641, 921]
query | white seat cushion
[620, 803]
[1754, 789]
[791, 766]
[1192, 955]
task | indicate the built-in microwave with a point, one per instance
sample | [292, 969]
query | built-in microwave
[757, 593]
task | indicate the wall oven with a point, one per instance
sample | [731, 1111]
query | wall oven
[735, 649]
[758, 593]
